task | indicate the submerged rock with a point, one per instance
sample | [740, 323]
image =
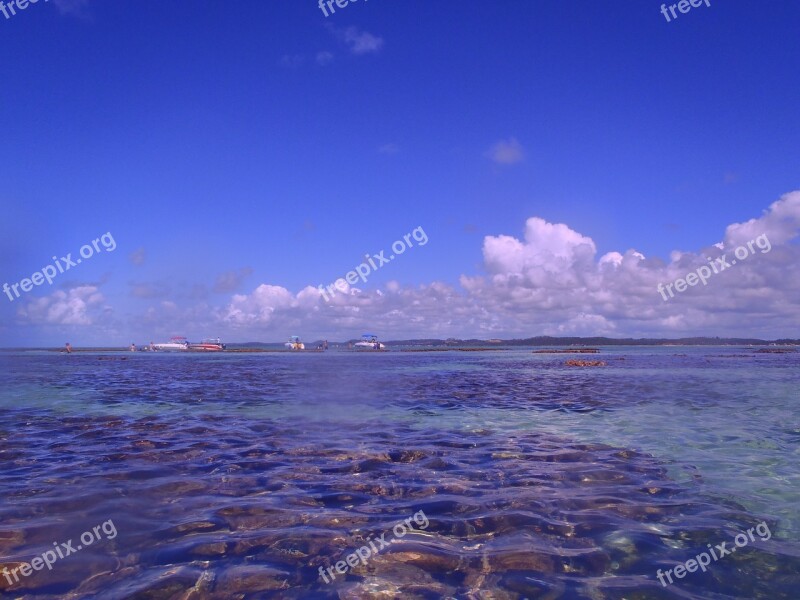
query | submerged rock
[586, 363]
[252, 578]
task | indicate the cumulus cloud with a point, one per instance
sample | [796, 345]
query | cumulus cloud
[358, 42]
[553, 276]
[70, 307]
[552, 281]
[506, 152]
[270, 305]
[548, 280]
[271, 310]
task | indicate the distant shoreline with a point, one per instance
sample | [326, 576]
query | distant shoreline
[474, 345]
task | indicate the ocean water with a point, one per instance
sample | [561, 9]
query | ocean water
[510, 474]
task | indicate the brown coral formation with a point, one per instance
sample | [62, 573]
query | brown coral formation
[586, 363]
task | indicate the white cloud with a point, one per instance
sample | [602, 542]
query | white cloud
[506, 152]
[551, 281]
[260, 306]
[71, 307]
[552, 276]
[358, 42]
[780, 221]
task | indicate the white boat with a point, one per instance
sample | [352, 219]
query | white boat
[369, 341]
[294, 343]
[175, 344]
[207, 345]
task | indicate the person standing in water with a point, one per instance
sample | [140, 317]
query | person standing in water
[68, 348]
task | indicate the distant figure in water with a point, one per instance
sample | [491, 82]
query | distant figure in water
[133, 347]
[377, 346]
[69, 348]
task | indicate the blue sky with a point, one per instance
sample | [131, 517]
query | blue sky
[242, 153]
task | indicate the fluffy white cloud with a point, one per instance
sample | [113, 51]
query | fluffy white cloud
[552, 282]
[260, 306]
[358, 42]
[71, 307]
[552, 278]
[361, 42]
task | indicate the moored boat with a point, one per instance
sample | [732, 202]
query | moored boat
[175, 344]
[369, 341]
[207, 345]
[294, 343]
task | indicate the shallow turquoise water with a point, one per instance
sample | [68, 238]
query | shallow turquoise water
[249, 471]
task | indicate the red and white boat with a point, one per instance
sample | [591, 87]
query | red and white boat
[208, 345]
